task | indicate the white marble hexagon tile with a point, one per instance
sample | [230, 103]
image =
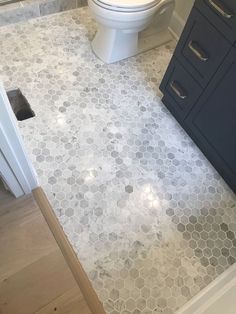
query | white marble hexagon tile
[150, 219]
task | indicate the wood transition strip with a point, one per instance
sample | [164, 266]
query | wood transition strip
[79, 274]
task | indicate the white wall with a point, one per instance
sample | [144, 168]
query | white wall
[183, 8]
[181, 13]
[13, 151]
[8, 177]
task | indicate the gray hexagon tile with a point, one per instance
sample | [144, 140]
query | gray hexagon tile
[149, 218]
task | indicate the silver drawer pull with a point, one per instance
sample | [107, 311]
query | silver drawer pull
[198, 51]
[178, 90]
[220, 9]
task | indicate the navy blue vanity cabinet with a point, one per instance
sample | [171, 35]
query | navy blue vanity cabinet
[181, 90]
[222, 14]
[212, 122]
[201, 49]
[199, 86]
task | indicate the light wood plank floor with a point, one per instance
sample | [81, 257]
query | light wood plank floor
[34, 277]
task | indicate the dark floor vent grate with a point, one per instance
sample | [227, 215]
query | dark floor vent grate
[20, 105]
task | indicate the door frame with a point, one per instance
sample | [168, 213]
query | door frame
[13, 150]
[8, 177]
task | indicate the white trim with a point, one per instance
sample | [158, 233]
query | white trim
[8, 177]
[12, 146]
[218, 295]
[12, 160]
[176, 25]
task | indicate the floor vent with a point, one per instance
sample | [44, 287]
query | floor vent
[20, 105]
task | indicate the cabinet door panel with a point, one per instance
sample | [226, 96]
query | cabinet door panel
[213, 120]
[222, 13]
[180, 90]
[224, 9]
[201, 48]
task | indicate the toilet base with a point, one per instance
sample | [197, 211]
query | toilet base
[131, 43]
[107, 44]
[122, 35]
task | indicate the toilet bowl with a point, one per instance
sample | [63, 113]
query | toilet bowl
[129, 27]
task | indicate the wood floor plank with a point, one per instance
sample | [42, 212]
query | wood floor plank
[34, 276]
[5, 196]
[79, 274]
[72, 302]
[16, 207]
[36, 285]
[23, 239]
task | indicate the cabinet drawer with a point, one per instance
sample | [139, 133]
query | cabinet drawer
[222, 13]
[180, 90]
[201, 48]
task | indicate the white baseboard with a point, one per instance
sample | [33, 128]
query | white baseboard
[176, 25]
[218, 297]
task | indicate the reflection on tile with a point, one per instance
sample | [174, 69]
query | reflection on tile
[53, 6]
[28, 9]
[16, 13]
[11, 6]
[150, 219]
[31, 11]
[82, 3]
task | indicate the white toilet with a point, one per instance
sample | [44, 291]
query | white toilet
[129, 27]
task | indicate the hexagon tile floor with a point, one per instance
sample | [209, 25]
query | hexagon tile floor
[150, 219]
